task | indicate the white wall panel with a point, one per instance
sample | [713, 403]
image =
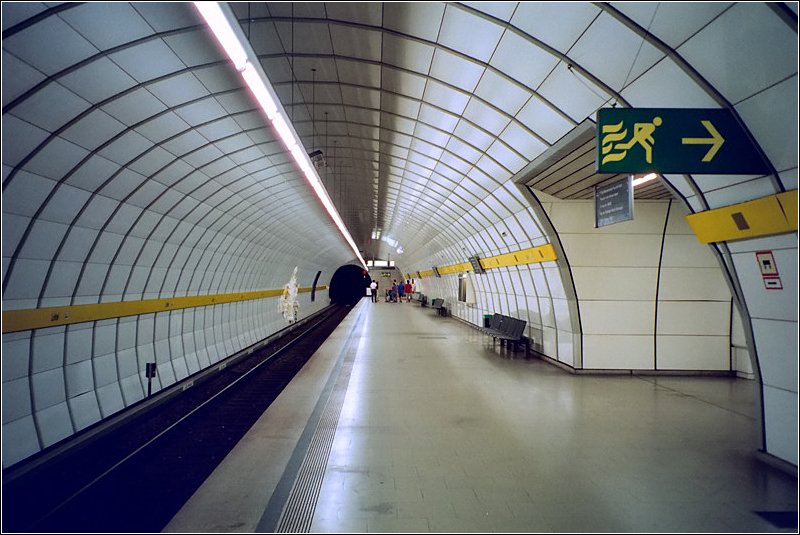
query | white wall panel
[132, 390]
[631, 250]
[48, 349]
[617, 317]
[25, 282]
[780, 420]
[741, 192]
[110, 399]
[693, 353]
[624, 283]
[20, 440]
[127, 363]
[742, 360]
[105, 369]
[16, 355]
[85, 410]
[79, 378]
[764, 303]
[776, 344]
[566, 349]
[79, 343]
[546, 311]
[16, 399]
[617, 352]
[697, 318]
[54, 424]
[561, 311]
[686, 251]
[693, 284]
[549, 342]
[577, 217]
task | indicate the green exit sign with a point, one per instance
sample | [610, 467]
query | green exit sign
[674, 140]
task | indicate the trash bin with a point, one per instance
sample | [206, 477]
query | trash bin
[487, 320]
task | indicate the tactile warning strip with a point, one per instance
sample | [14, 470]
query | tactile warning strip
[299, 511]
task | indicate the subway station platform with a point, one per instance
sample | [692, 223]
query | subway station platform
[404, 421]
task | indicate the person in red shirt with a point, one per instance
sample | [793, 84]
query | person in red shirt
[408, 289]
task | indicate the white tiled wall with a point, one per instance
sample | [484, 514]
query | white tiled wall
[532, 292]
[85, 372]
[773, 315]
[618, 272]
[650, 296]
[617, 277]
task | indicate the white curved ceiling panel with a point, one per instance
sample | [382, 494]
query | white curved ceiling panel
[72, 49]
[658, 87]
[736, 43]
[556, 24]
[767, 109]
[617, 60]
[672, 22]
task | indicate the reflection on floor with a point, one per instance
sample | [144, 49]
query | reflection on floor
[441, 432]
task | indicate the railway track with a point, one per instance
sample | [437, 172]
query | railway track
[135, 477]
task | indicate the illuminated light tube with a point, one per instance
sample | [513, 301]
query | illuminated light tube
[645, 178]
[216, 20]
[256, 85]
[283, 131]
[301, 159]
[223, 24]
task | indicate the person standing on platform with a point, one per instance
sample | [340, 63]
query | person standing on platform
[408, 290]
[401, 290]
[374, 287]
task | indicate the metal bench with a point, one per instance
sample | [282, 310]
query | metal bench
[507, 329]
[438, 305]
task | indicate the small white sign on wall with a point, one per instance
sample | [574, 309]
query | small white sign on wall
[766, 263]
[769, 270]
[773, 283]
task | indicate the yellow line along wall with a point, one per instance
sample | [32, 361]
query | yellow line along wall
[37, 318]
[68, 377]
[544, 253]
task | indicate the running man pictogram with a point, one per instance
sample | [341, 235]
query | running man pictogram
[642, 135]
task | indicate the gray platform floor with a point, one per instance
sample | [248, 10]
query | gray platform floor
[438, 431]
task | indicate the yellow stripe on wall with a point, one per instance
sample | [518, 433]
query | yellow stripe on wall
[37, 318]
[776, 214]
[455, 268]
[544, 253]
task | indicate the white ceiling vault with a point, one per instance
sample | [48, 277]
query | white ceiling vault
[137, 165]
[126, 115]
[424, 111]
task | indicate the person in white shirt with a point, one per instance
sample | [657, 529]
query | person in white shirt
[374, 287]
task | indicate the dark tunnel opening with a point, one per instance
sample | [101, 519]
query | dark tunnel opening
[348, 285]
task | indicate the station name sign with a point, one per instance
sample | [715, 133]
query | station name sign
[674, 140]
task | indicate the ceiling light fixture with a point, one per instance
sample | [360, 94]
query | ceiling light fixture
[226, 30]
[645, 178]
[215, 18]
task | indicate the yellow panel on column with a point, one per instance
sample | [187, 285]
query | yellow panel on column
[776, 214]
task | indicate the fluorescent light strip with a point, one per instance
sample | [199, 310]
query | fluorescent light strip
[237, 49]
[224, 33]
[645, 178]
[256, 84]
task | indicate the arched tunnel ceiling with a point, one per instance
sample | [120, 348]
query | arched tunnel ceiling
[423, 111]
